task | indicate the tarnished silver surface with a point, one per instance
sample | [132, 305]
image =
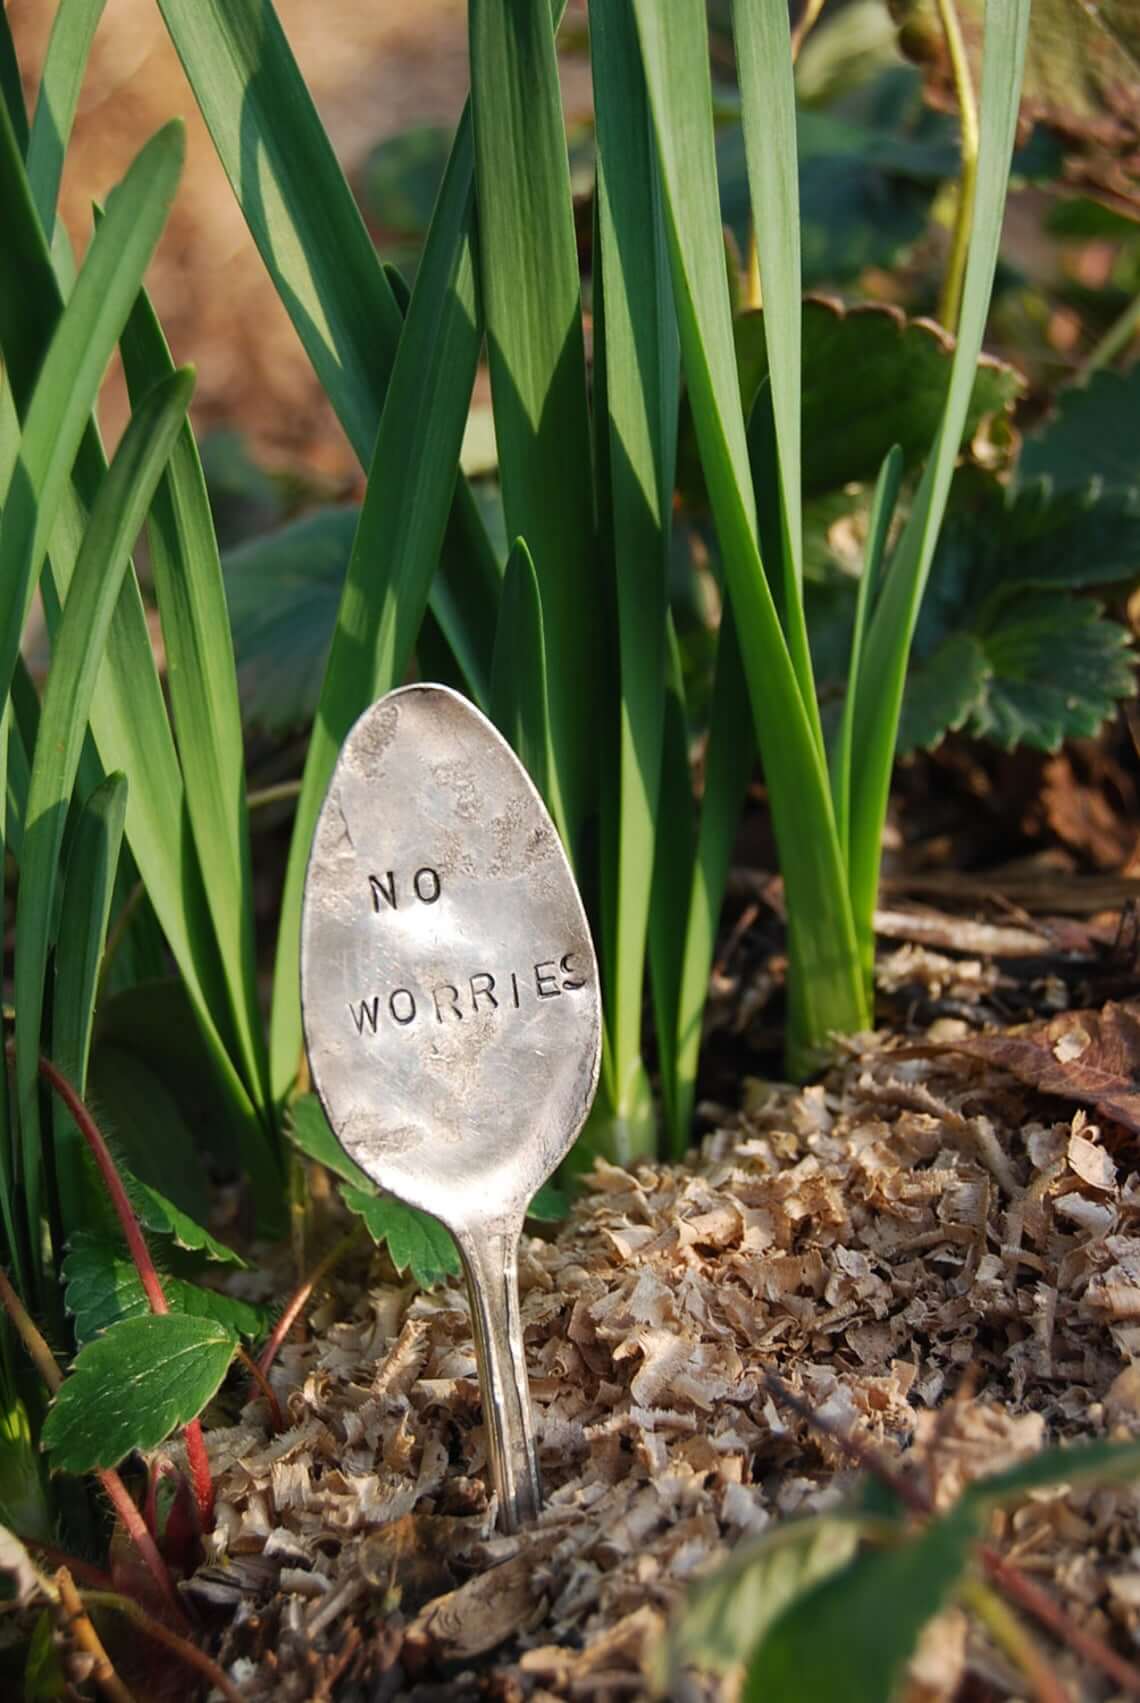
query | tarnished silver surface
[451, 1007]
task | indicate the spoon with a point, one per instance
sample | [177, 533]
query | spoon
[452, 1017]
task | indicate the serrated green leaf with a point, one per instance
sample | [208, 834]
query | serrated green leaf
[942, 691]
[729, 1610]
[103, 1286]
[1058, 671]
[308, 1130]
[871, 378]
[161, 1216]
[132, 1386]
[1091, 435]
[416, 1242]
[850, 1635]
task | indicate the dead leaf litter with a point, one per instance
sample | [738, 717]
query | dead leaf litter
[912, 1229]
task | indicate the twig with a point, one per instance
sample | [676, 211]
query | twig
[280, 793]
[1009, 1577]
[120, 1498]
[186, 1651]
[301, 1294]
[1010, 1635]
[276, 1416]
[77, 1622]
[808, 19]
[140, 1253]
[950, 299]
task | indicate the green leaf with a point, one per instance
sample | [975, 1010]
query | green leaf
[729, 1610]
[893, 622]
[128, 712]
[636, 381]
[88, 887]
[204, 703]
[397, 546]
[530, 292]
[829, 994]
[1091, 435]
[60, 406]
[11, 87]
[943, 690]
[1078, 1463]
[550, 1205]
[850, 1635]
[400, 180]
[305, 222]
[518, 668]
[116, 519]
[60, 82]
[163, 1218]
[102, 1286]
[308, 1130]
[132, 1386]
[153, 1131]
[1058, 671]
[283, 590]
[416, 1242]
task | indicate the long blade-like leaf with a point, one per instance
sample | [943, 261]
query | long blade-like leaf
[518, 671]
[892, 625]
[397, 545]
[11, 88]
[882, 512]
[641, 365]
[128, 712]
[303, 218]
[116, 519]
[68, 383]
[88, 886]
[764, 51]
[62, 78]
[828, 992]
[532, 307]
[202, 681]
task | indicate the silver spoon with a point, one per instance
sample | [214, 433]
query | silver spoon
[451, 1009]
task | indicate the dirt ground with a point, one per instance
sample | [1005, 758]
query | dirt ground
[373, 68]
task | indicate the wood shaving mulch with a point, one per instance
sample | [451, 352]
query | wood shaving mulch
[930, 1258]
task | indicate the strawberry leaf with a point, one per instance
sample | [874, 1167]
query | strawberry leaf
[163, 1218]
[415, 1241]
[102, 1286]
[309, 1132]
[132, 1386]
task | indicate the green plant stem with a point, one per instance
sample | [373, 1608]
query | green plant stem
[196, 1456]
[301, 1294]
[282, 793]
[132, 1521]
[1011, 1637]
[950, 298]
[1119, 334]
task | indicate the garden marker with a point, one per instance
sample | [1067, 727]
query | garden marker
[452, 1016]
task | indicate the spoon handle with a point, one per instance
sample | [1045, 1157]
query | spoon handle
[490, 1263]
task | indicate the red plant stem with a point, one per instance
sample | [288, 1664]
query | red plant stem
[133, 1522]
[196, 1456]
[300, 1295]
[1005, 1574]
[276, 1417]
[187, 1652]
[93, 1577]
